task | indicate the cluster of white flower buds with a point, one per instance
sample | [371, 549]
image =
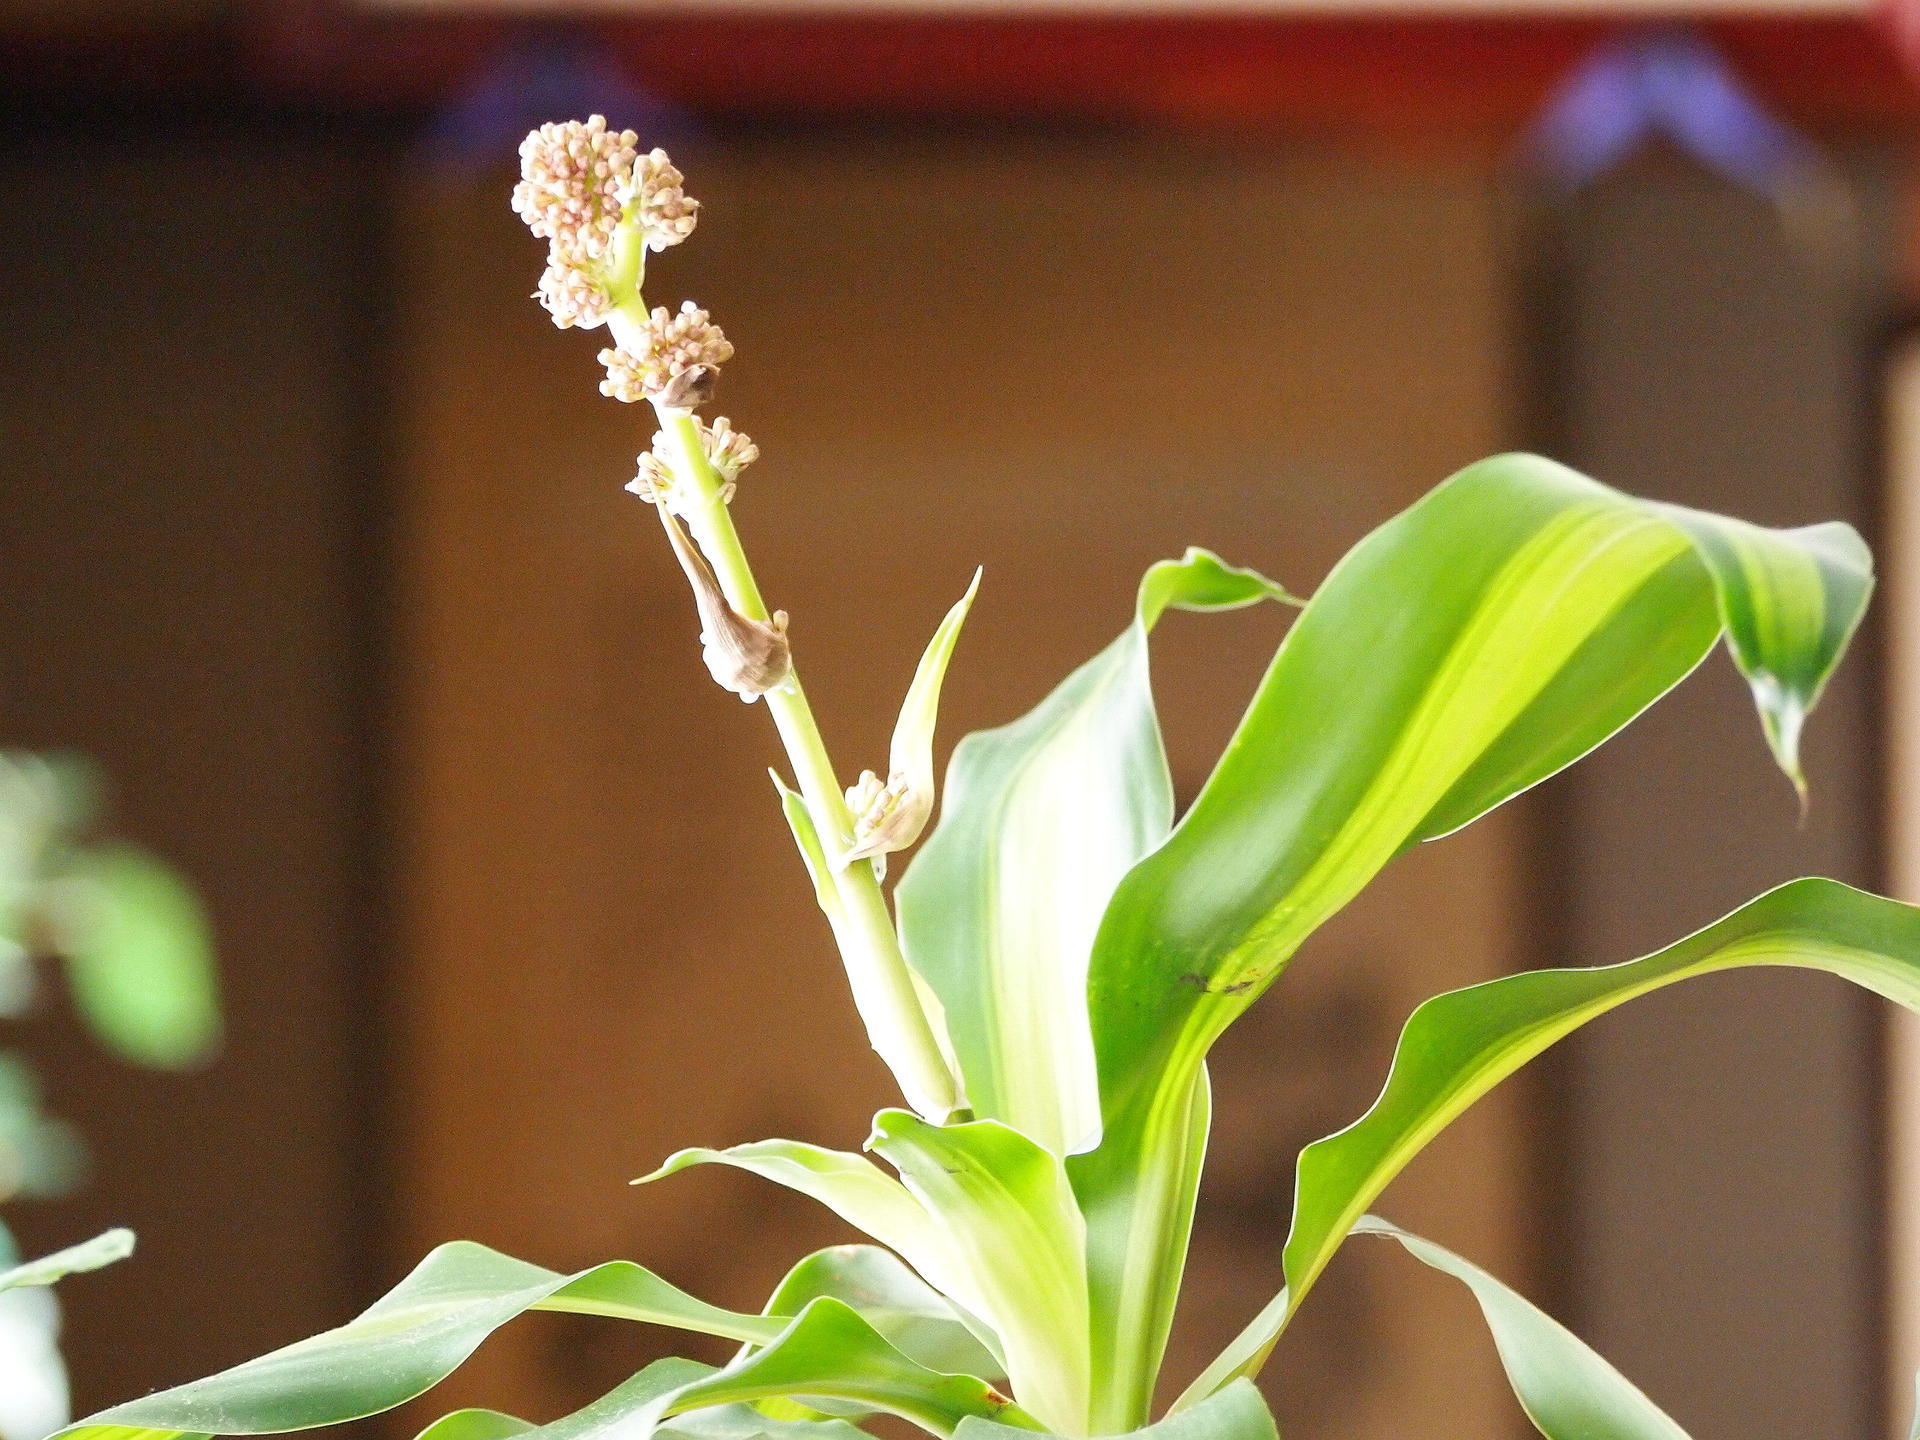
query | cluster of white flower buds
[677, 368]
[579, 181]
[601, 204]
[728, 450]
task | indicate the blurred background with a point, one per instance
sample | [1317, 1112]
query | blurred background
[312, 536]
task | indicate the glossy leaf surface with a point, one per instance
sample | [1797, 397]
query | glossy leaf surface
[910, 1313]
[1005, 1206]
[1491, 634]
[1458, 1046]
[1040, 820]
[407, 1342]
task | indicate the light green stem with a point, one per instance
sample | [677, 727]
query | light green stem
[883, 987]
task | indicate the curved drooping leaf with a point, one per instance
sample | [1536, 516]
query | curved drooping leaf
[1491, 634]
[613, 1414]
[103, 1249]
[1040, 820]
[139, 957]
[1458, 1046]
[1009, 1214]
[910, 1313]
[870, 1200]
[1236, 1413]
[476, 1425]
[828, 1353]
[1568, 1391]
[407, 1342]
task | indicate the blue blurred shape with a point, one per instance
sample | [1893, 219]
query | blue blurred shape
[1670, 84]
[566, 75]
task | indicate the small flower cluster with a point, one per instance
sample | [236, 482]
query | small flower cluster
[728, 450]
[579, 181]
[677, 368]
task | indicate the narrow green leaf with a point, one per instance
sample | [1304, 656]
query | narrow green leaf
[103, 1249]
[614, 1414]
[829, 1353]
[909, 788]
[140, 957]
[1458, 1046]
[1005, 1205]
[910, 1313]
[869, 1199]
[475, 1425]
[813, 854]
[1041, 819]
[1236, 1413]
[409, 1341]
[1567, 1390]
[1491, 634]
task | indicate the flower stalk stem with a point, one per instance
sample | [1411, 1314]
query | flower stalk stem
[883, 986]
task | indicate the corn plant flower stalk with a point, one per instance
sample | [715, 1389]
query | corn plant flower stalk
[1059, 957]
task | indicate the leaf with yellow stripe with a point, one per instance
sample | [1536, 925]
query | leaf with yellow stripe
[1502, 627]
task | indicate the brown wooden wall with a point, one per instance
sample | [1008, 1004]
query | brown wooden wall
[184, 596]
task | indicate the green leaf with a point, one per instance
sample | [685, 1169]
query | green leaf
[909, 790]
[1458, 1046]
[409, 1341]
[1491, 634]
[1041, 819]
[476, 1425]
[867, 1198]
[140, 957]
[1236, 1413]
[1567, 1390]
[1009, 1214]
[614, 1412]
[828, 1353]
[104, 1249]
[910, 1313]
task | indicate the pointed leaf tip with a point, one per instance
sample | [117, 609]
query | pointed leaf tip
[892, 813]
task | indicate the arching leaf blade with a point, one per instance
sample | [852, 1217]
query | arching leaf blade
[1005, 1204]
[406, 1343]
[1567, 1390]
[1458, 1046]
[1039, 820]
[911, 1314]
[1505, 624]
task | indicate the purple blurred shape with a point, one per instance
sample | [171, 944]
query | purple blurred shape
[565, 75]
[1668, 83]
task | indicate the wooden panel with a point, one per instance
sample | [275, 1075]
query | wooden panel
[182, 590]
[1061, 361]
[1725, 1183]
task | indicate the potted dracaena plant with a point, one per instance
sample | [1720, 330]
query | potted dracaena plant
[1050, 971]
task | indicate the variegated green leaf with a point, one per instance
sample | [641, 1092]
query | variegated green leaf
[409, 1341]
[904, 801]
[1504, 625]
[1236, 1413]
[828, 1353]
[1040, 820]
[1009, 1214]
[910, 1313]
[614, 1415]
[1458, 1046]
